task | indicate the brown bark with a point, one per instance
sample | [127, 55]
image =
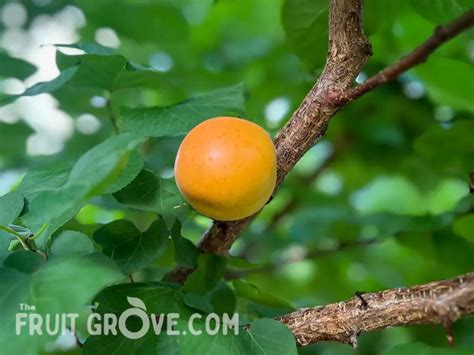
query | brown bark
[440, 35]
[440, 302]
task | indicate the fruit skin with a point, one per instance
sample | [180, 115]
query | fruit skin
[226, 168]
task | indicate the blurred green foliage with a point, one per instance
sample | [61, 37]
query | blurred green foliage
[382, 201]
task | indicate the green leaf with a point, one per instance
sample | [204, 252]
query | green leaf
[464, 226]
[265, 337]
[114, 299]
[185, 252]
[163, 19]
[199, 302]
[91, 175]
[180, 119]
[36, 181]
[5, 241]
[62, 285]
[15, 67]
[149, 344]
[89, 48]
[94, 71]
[394, 194]
[442, 78]
[210, 269]
[269, 337]
[24, 261]
[71, 243]
[147, 192]
[134, 166]
[448, 148]
[441, 11]
[253, 293]
[109, 72]
[98, 71]
[306, 26]
[11, 206]
[132, 249]
[13, 142]
[43, 87]
[223, 299]
[446, 196]
[215, 344]
[158, 298]
[423, 349]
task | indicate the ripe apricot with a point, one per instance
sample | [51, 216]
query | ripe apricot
[226, 168]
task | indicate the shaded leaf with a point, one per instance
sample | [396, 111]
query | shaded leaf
[269, 337]
[185, 252]
[441, 11]
[91, 175]
[424, 349]
[180, 119]
[43, 87]
[63, 285]
[13, 142]
[306, 26]
[132, 249]
[71, 243]
[442, 78]
[11, 206]
[15, 67]
[134, 166]
[209, 271]
[448, 148]
[147, 192]
[253, 293]
[464, 226]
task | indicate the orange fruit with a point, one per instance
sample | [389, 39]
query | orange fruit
[226, 168]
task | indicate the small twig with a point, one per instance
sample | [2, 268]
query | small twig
[41, 230]
[471, 183]
[16, 235]
[440, 36]
[448, 328]
[359, 295]
[311, 255]
[24, 242]
[43, 254]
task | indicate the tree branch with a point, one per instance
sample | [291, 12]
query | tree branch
[441, 302]
[310, 255]
[440, 36]
[349, 49]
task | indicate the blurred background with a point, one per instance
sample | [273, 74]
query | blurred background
[382, 201]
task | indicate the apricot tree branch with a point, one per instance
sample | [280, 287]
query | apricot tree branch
[349, 49]
[440, 36]
[441, 302]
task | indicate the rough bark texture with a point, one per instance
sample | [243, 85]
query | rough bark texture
[441, 302]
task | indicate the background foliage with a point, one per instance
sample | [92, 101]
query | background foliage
[76, 164]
